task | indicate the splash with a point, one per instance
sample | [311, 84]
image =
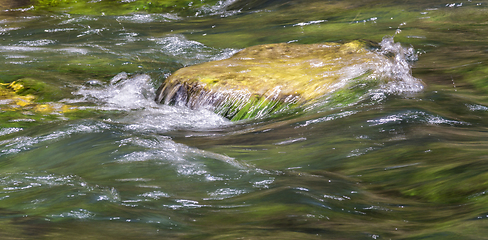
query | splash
[390, 66]
[220, 8]
[123, 93]
[134, 95]
[398, 67]
[389, 72]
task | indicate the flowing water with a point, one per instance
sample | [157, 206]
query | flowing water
[404, 159]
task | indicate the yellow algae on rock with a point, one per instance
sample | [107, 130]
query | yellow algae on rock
[14, 105]
[43, 108]
[267, 78]
[23, 101]
[67, 108]
[16, 86]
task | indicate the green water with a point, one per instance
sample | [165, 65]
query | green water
[391, 163]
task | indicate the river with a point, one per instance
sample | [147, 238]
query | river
[400, 161]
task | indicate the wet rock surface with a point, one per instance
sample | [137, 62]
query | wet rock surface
[268, 78]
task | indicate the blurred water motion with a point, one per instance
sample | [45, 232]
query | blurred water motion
[399, 161]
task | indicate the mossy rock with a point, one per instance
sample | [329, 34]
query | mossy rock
[42, 91]
[26, 102]
[269, 78]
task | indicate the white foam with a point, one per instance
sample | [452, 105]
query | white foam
[123, 93]
[6, 131]
[415, 117]
[476, 107]
[398, 69]
[224, 193]
[220, 8]
[37, 43]
[147, 18]
[301, 24]
[136, 96]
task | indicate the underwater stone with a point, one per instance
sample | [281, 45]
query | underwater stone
[28, 96]
[268, 78]
[124, 7]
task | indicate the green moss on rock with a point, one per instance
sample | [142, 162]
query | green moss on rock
[269, 78]
[43, 91]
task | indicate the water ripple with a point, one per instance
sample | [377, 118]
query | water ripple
[411, 116]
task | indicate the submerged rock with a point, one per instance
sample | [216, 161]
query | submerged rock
[268, 78]
[99, 7]
[24, 101]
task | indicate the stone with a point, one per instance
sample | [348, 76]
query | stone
[264, 79]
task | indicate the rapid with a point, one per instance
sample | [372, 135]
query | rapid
[403, 158]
